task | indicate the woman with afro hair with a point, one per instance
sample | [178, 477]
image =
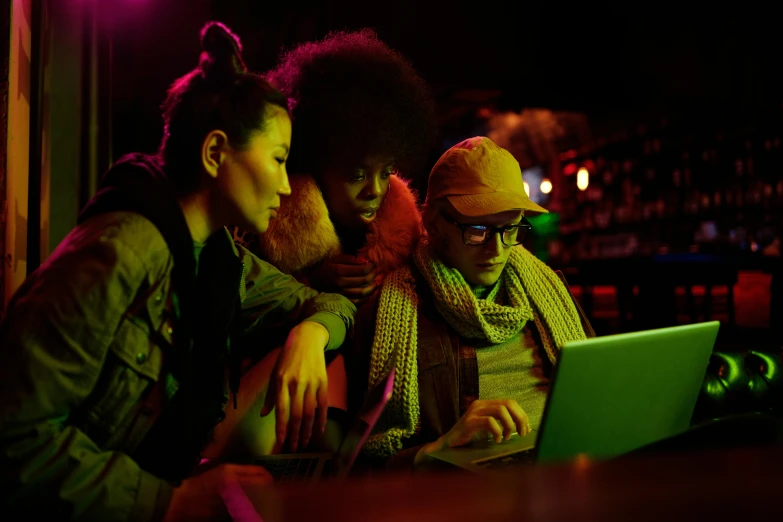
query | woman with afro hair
[363, 122]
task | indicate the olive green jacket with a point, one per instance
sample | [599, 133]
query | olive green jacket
[83, 376]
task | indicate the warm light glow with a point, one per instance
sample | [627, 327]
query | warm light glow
[582, 179]
[546, 186]
[527, 188]
[582, 462]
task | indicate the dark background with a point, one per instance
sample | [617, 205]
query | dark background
[619, 64]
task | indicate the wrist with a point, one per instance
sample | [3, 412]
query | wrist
[314, 331]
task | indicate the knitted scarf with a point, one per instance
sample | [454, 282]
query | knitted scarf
[532, 290]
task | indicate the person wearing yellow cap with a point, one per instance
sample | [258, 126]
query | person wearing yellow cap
[474, 323]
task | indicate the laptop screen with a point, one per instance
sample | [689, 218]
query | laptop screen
[364, 423]
[614, 394]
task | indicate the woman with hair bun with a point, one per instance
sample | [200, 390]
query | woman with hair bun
[117, 350]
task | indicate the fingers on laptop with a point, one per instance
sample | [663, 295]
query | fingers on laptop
[484, 426]
[309, 405]
[312, 407]
[322, 397]
[282, 406]
[297, 394]
[520, 417]
[297, 410]
[509, 415]
[505, 421]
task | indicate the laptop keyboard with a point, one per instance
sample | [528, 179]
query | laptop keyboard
[285, 470]
[505, 461]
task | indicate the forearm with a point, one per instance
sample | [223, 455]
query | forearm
[278, 302]
[284, 310]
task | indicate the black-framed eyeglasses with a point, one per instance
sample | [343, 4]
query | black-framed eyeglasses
[476, 235]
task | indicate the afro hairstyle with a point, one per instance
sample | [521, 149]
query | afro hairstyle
[353, 96]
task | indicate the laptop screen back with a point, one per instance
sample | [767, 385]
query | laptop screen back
[363, 424]
[614, 394]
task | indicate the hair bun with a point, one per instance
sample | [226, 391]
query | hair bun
[222, 55]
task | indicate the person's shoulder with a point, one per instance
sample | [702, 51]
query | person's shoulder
[123, 238]
[253, 263]
[101, 264]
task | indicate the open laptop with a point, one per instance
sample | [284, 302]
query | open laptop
[311, 466]
[609, 395]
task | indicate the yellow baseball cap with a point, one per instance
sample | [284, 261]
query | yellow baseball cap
[479, 178]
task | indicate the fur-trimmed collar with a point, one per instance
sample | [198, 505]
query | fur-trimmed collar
[302, 235]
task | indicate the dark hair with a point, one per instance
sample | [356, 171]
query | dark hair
[353, 96]
[218, 94]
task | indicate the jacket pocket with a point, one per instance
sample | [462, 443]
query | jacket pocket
[131, 371]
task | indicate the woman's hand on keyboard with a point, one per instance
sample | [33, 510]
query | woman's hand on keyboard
[495, 419]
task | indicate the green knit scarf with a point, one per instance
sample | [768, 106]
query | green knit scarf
[533, 292]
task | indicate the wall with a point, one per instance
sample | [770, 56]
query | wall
[5, 42]
[17, 143]
[64, 77]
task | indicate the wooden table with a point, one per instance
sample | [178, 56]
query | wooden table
[739, 485]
